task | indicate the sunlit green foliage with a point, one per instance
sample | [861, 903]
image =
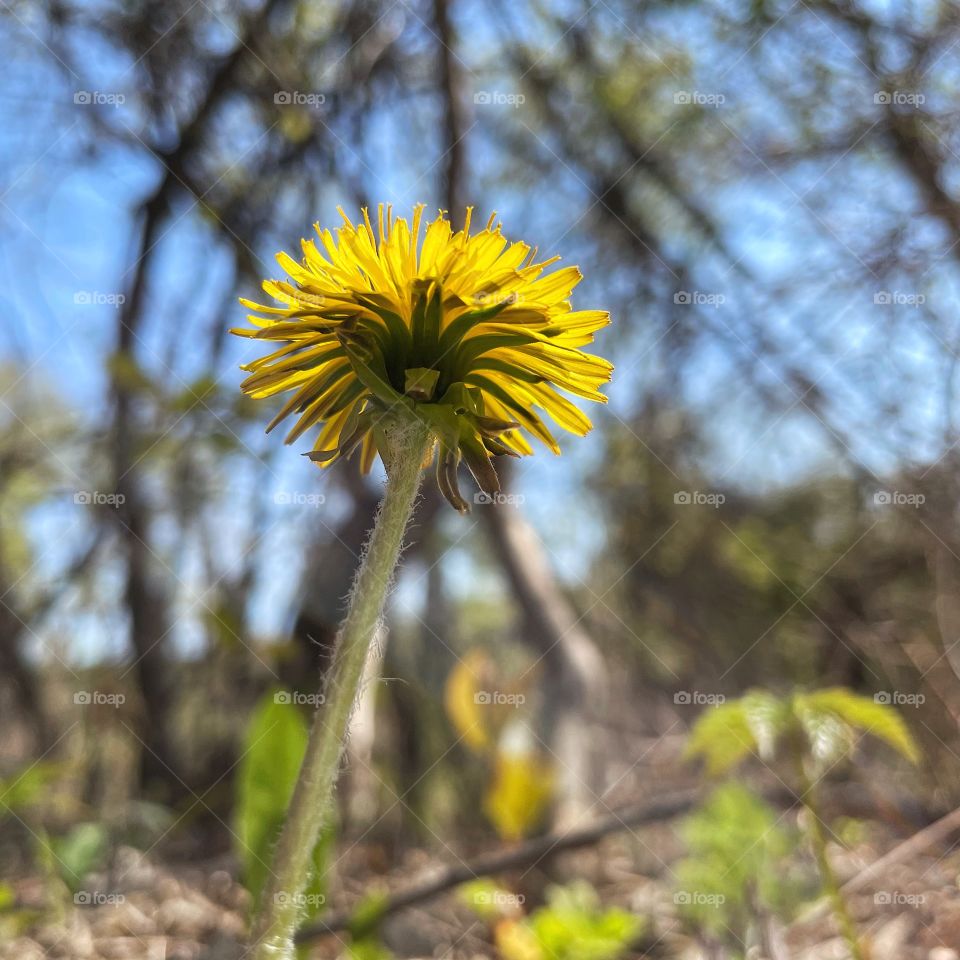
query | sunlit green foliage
[23, 789]
[82, 849]
[273, 750]
[813, 730]
[738, 868]
[828, 723]
[572, 926]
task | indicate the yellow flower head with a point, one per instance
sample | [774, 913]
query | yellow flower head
[467, 333]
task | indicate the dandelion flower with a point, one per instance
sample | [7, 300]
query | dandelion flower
[466, 332]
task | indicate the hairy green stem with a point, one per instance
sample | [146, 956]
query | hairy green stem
[402, 445]
[818, 841]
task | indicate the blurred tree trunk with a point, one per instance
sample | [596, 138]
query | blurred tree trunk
[451, 86]
[328, 577]
[17, 671]
[574, 679]
[574, 668]
[437, 656]
[146, 600]
[362, 784]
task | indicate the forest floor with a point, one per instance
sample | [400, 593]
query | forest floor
[146, 910]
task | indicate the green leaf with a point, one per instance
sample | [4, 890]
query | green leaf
[725, 735]
[273, 749]
[368, 914]
[768, 717]
[425, 323]
[573, 926]
[420, 382]
[456, 331]
[470, 350]
[829, 719]
[23, 789]
[376, 384]
[738, 863]
[8, 897]
[722, 737]
[81, 850]
[368, 948]
[839, 712]
[486, 898]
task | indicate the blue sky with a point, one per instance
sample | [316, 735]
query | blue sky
[65, 253]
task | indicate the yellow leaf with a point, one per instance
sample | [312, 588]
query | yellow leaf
[518, 798]
[515, 941]
[465, 708]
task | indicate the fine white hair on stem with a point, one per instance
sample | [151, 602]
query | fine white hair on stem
[404, 443]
